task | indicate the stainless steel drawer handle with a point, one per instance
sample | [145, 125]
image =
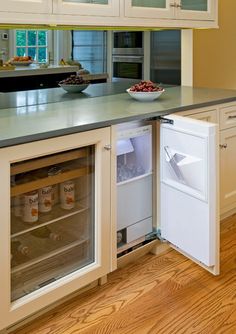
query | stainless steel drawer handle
[231, 116]
[223, 146]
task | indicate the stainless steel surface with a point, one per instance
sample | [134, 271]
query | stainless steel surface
[127, 59]
[128, 48]
[127, 51]
[165, 57]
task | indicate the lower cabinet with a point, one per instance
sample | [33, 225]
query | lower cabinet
[227, 170]
[55, 211]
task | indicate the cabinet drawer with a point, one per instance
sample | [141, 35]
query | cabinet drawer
[206, 115]
[228, 116]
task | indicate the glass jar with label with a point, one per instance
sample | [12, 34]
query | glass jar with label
[67, 195]
[45, 199]
[30, 207]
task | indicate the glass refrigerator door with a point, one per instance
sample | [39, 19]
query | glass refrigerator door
[189, 179]
[52, 218]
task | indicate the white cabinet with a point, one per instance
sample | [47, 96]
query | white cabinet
[55, 217]
[171, 9]
[26, 6]
[196, 10]
[227, 170]
[87, 7]
[227, 158]
[149, 9]
[112, 13]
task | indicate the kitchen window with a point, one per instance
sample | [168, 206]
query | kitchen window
[89, 48]
[32, 43]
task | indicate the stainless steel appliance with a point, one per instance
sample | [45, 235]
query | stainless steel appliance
[165, 57]
[127, 54]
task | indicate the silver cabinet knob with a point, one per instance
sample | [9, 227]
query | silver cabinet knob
[107, 147]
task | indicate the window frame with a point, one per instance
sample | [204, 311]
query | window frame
[13, 47]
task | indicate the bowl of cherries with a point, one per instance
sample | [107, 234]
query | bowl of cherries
[145, 91]
[74, 84]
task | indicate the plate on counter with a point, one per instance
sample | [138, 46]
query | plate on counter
[22, 63]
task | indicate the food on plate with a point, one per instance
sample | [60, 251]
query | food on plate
[22, 58]
[73, 80]
[145, 86]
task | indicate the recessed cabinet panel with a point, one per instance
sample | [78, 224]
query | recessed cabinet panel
[87, 7]
[189, 218]
[198, 5]
[196, 9]
[27, 6]
[227, 170]
[149, 8]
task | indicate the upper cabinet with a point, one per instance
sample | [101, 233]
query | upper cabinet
[26, 6]
[149, 8]
[87, 7]
[112, 13]
[172, 9]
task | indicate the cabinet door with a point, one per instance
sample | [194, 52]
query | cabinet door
[149, 8]
[227, 170]
[27, 6]
[206, 116]
[189, 180]
[87, 7]
[196, 9]
[54, 221]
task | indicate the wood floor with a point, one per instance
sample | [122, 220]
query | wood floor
[164, 294]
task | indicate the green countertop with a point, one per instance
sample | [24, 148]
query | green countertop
[44, 120]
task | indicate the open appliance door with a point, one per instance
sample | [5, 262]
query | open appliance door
[189, 189]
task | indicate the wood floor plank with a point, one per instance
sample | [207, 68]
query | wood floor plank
[165, 294]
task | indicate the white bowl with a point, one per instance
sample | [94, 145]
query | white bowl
[145, 96]
[74, 88]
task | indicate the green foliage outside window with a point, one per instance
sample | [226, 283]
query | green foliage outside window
[32, 43]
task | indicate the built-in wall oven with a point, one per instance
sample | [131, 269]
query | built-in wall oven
[127, 54]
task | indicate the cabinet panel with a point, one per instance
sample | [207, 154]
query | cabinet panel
[89, 7]
[53, 226]
[227, 169]
[207, 116]
[228, 116]
[197, 10]
[149, 9]
[27, 6]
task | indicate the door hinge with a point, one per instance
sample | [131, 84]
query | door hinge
[155, 235]
[165, 120]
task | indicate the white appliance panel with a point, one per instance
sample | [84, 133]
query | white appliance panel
[189, 216]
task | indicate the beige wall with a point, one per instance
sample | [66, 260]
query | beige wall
[214, 55]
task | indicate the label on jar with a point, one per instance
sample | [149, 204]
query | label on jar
[30, 207]
[45, 199]
[67, 195]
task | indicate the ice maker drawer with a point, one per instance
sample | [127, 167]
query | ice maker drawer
[134, 200]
